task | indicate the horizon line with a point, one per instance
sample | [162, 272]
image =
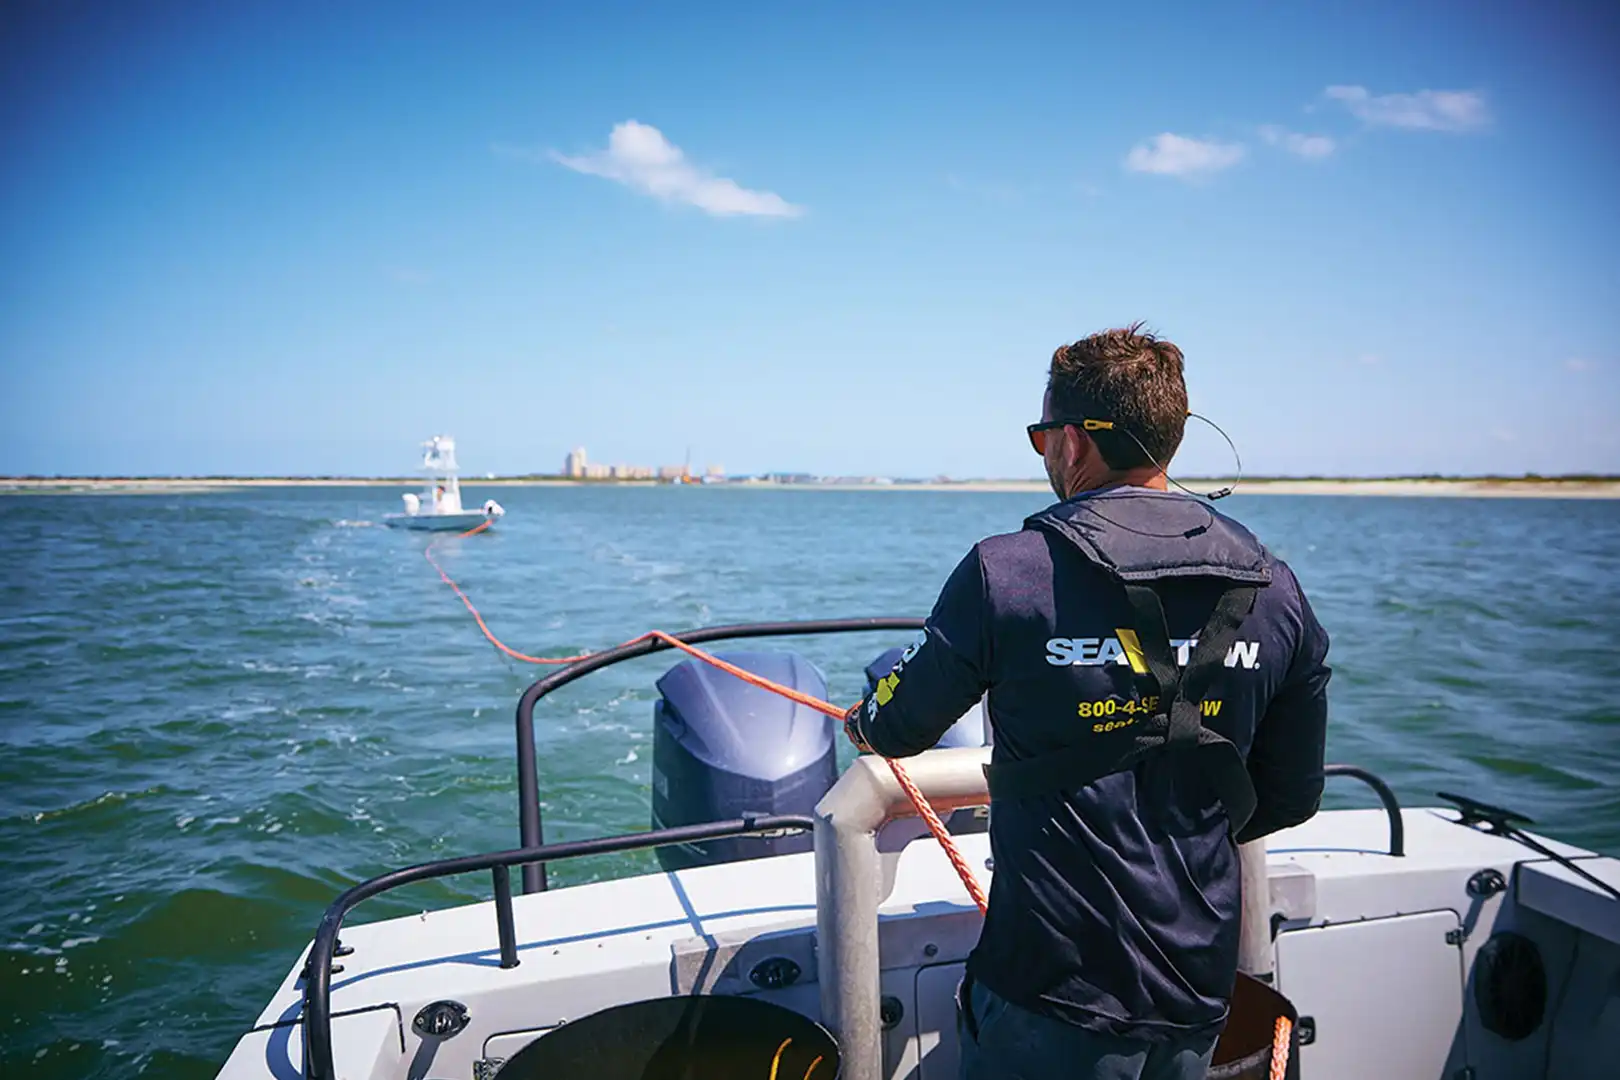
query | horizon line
[798, 477]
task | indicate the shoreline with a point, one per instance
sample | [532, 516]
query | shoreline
[1481, 487]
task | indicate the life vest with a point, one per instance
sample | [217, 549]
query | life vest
[1146, 544]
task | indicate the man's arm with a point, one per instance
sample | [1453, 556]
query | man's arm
[938, 679]
[1285, 760]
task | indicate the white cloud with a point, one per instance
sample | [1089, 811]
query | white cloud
[1178, 155]
[1428, 110]
[1313, 147]
[1580, 365]
[638, 156]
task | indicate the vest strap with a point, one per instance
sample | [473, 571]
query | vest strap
[1177, 727]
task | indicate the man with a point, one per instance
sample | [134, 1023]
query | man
[1157, 690]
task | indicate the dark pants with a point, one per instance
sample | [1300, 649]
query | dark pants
[1016, 1044]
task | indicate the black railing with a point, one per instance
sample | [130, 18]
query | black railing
[317, 1013]
[530, 830]
[1392, 809]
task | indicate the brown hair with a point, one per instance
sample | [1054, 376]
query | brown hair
[1132, 378]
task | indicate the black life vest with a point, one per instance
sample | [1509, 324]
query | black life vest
[1146, 544]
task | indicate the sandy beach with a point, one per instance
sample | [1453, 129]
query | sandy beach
[1491, 487]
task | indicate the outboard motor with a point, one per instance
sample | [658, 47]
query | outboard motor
[724, 749]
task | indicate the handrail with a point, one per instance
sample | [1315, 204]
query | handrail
[530, 830]
[317, 1013]
[852, 882]
[1392, 807]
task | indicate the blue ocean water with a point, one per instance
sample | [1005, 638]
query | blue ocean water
[218, 710]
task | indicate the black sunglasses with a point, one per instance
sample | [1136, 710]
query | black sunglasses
[1037, 432]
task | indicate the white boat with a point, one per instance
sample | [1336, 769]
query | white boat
[438, 508]
[820, 921]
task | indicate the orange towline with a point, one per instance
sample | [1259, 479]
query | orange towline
[930, 818]
[1280, 1041]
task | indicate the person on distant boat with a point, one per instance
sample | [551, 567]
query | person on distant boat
[1158, 693]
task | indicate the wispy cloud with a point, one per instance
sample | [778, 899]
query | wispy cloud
[1179, 155]
[1580, 365]
[638, 156]
[1426, 110]
[1312, 147]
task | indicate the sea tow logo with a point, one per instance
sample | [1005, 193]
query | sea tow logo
[883, 693]
[1125, 649]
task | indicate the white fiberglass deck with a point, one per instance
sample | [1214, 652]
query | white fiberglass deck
[1399, 921]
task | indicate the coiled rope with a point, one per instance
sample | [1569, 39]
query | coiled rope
[924, 810]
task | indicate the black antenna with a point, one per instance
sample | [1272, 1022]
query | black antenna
[1502, 822]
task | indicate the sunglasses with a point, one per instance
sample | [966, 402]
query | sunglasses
[1037, 432]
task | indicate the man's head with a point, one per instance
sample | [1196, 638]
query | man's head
[1130, 384]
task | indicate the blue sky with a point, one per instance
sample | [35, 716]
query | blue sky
[289, 238]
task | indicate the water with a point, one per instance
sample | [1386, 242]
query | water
[218, 710]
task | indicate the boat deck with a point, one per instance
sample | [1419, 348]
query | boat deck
[589, 947]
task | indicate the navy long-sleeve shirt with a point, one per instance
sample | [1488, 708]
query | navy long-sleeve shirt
[1115, 904]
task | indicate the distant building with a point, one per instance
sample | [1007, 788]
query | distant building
[577, 466]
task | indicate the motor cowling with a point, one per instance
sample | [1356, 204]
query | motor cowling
[723, 749]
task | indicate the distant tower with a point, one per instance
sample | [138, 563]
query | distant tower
[574, 464]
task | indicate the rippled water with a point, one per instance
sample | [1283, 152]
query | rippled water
[218, 710]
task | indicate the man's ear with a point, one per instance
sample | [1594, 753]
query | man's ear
[1080, 446]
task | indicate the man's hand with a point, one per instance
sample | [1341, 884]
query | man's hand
[852, 727]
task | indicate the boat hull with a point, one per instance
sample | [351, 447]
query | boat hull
[438, 522]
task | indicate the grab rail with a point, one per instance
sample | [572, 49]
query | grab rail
[852, 883]
[317, 1011]
[1392, 808]
[530, 830]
